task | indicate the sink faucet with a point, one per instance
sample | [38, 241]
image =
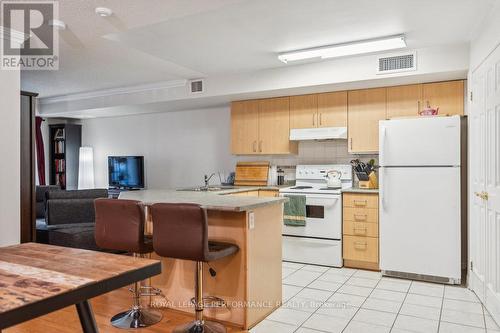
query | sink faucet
[207, 179]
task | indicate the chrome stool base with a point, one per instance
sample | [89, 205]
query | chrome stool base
[136, 318]
[200, 327]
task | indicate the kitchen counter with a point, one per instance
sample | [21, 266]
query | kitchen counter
[250, 276]
[217, 200]
[360, 190]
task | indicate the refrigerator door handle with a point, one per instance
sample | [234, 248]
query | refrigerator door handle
[382, 144]
[382, 189]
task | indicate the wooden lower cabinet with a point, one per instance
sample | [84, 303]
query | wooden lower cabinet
[360, 237]
[361, 248]
[268, 193]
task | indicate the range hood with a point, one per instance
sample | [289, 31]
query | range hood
[323, 133]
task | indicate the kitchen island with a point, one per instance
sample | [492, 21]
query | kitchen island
[250, 281]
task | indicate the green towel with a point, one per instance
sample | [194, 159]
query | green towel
[294, 211]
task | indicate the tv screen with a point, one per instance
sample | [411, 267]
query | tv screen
[126, 171]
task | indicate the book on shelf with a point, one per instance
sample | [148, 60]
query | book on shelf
[60, 165]
[61, 180]
[59, 147]
[59, 135]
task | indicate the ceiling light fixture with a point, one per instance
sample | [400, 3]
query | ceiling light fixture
[103, 11]
[57, 24]
[346, 49]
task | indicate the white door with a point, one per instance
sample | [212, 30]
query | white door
[485, 184]
[477, 167]
[420, 141]
[420, 221]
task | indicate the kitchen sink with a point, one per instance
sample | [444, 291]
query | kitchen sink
[208, 188]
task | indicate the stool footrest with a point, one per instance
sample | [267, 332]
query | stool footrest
[211, 302]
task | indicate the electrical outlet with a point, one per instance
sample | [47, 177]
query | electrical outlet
[251, 220]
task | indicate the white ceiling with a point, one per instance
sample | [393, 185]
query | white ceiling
[160, 40]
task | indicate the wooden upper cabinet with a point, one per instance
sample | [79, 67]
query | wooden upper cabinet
[366, 108]
[274, 127]
[448, 96]
[304, 111]
[244, 127]
[332, 109]
[404, 101]
[263, 126]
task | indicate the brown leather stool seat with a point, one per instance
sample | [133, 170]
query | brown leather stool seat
[120, 227]
[181, 232]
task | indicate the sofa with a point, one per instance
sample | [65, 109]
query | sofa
[70, 218]
[41, 229]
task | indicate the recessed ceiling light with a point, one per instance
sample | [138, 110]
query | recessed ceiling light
[346, 49]
[103, 11]
[57, 24]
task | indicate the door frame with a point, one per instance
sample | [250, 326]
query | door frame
[28, 165]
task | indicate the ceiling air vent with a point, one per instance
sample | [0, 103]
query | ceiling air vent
[196, 86]
[397, 63]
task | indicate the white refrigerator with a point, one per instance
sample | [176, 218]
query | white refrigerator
[422, 161]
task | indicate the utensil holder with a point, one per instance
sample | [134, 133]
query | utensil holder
[371, 183]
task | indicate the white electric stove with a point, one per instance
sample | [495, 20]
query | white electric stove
[319, 242]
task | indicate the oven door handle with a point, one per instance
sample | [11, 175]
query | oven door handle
[313, 196]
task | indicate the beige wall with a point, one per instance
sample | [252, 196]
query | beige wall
[180, 147]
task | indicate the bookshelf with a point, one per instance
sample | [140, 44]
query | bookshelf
[65, 143]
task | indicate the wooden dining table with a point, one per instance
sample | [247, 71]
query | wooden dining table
[36, 279]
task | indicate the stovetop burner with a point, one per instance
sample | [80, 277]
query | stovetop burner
[301, 187]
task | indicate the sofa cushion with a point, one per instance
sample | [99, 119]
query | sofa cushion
[70, 211]
[41, 191]
[81, 237]
[77, 194]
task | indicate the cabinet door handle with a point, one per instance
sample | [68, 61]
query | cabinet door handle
[363, 231]
[260, 146]
[360, 202]
[418, 107]
[360, 217]
[254, 146]
[360, 245]
[314, 119]
[350, 143]
[320, 120]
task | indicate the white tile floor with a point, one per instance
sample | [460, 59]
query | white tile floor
[318, 299]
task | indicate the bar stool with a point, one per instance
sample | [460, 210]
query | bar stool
[120, 226]
[181, 232]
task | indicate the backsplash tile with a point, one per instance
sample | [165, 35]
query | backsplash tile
[314, 152]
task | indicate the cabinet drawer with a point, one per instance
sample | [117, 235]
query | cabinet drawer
[361, 248]
[361, 214]
[360, 200]
[362, 229]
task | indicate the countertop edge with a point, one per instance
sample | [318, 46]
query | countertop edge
[360, 190]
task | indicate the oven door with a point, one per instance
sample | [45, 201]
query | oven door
[323, 217]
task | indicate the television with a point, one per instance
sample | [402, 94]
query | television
[126, 172]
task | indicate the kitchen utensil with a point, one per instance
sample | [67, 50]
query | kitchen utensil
[273, 176]
[281, 177]
[333, 179]
[371, 182]
[251, 173]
